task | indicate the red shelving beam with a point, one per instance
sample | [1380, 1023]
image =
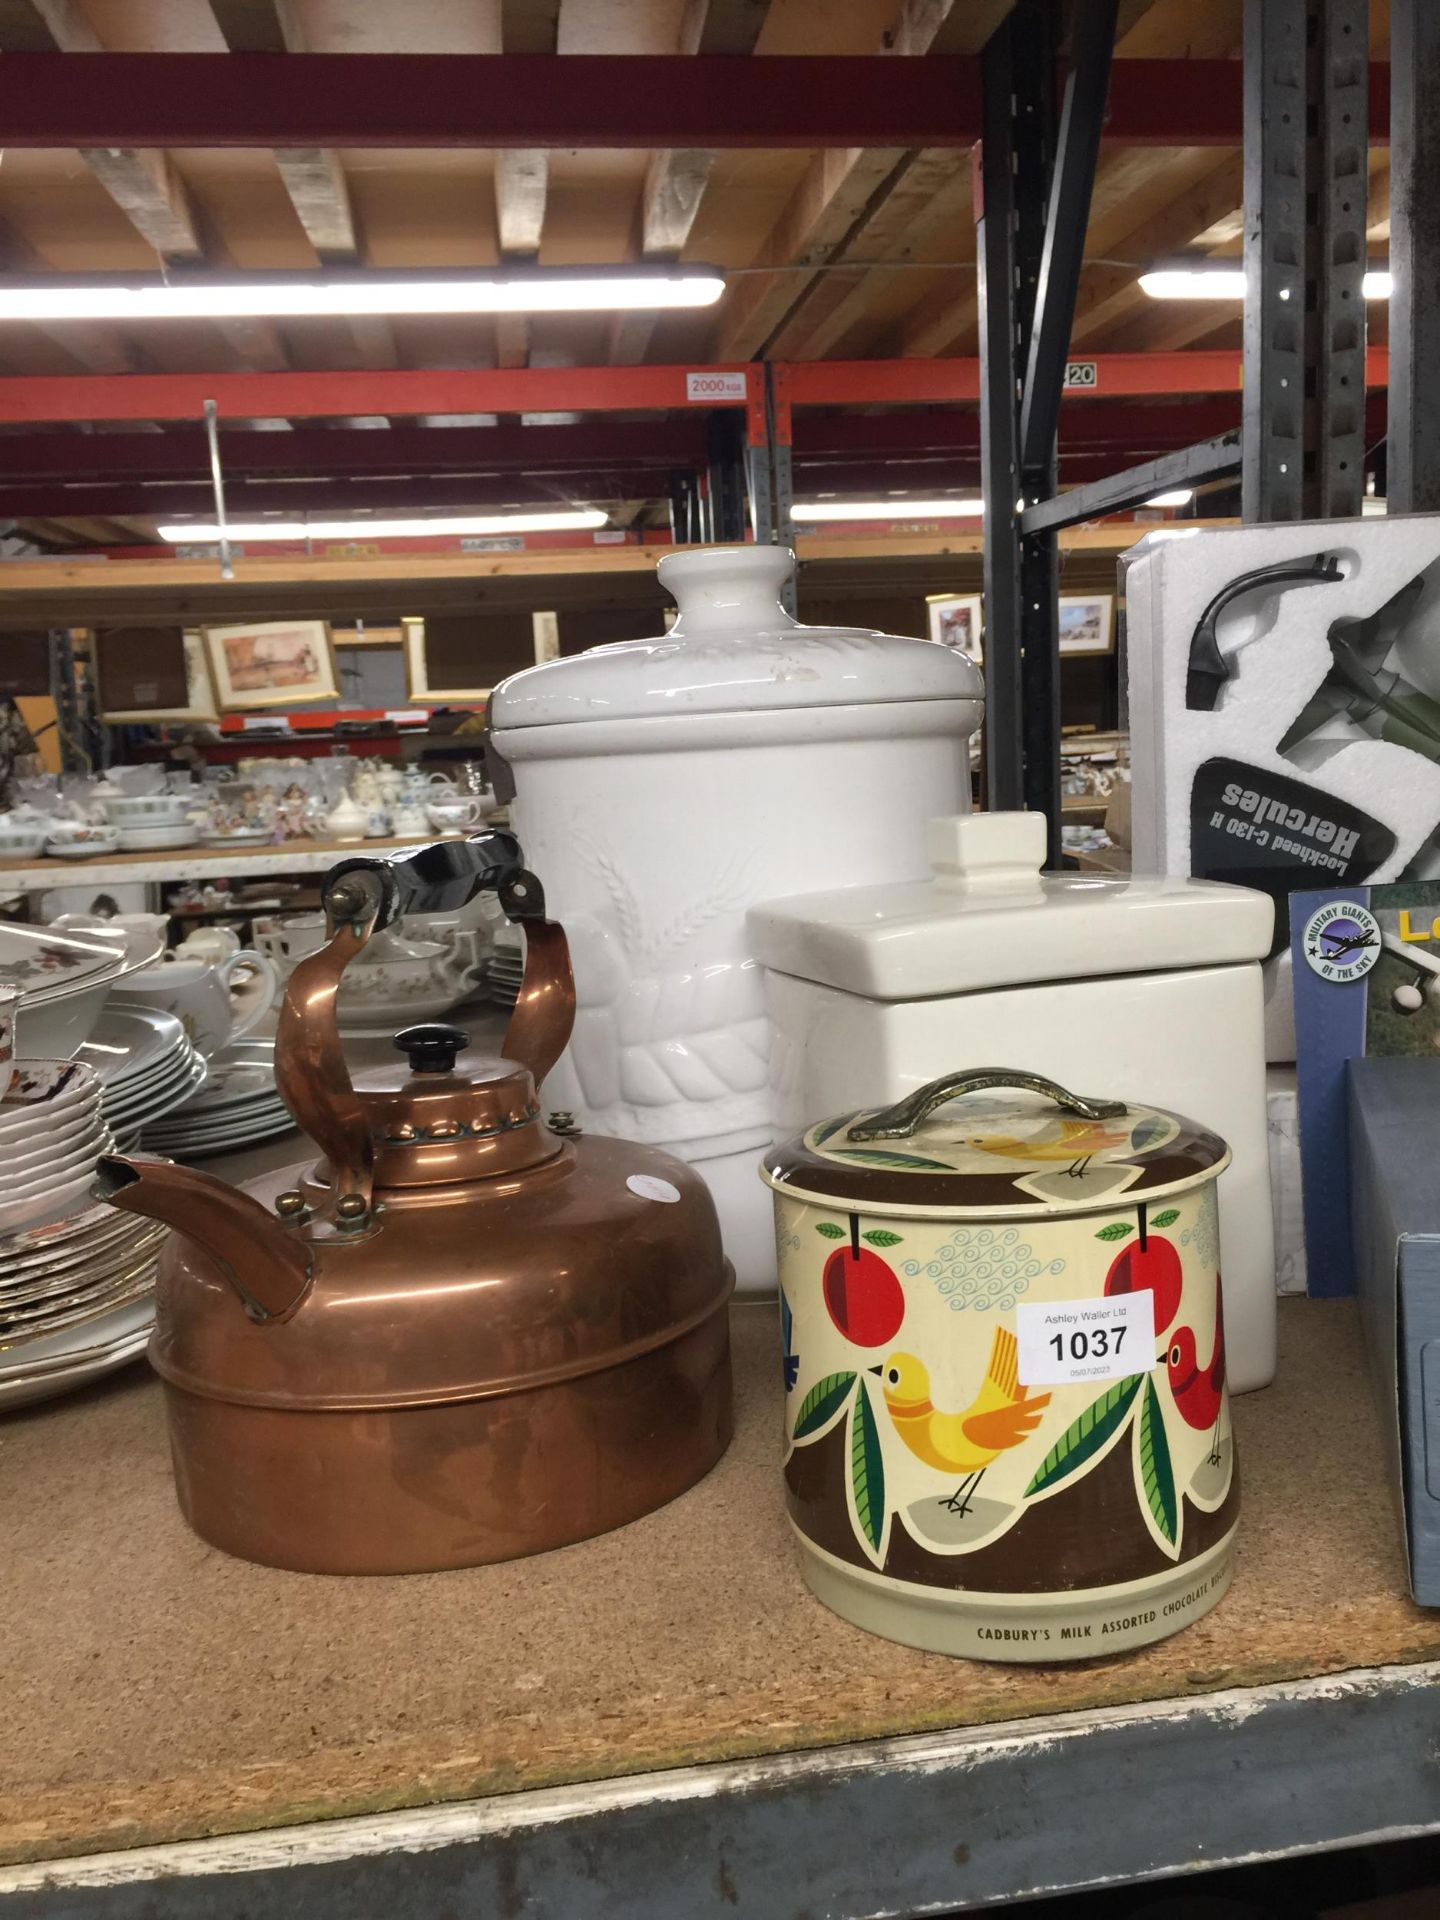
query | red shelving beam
[36, 399]
[578, 100]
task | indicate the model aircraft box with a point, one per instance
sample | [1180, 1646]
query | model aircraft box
[1367, 987]
[1284, 695]
[1394, 1134]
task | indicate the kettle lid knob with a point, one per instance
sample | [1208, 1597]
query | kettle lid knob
[432, 1048]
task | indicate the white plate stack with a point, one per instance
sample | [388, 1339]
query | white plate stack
[146, 1065]
[52, 1131]
[77, 1279]
[237, 1107]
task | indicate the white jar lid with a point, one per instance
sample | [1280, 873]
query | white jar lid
[988, 917]
[733, 648]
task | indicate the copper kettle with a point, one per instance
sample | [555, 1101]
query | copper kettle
[464, 1334]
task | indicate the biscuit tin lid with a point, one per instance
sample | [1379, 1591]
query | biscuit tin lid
[1030, 1148]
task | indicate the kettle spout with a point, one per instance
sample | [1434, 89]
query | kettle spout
[269, 1268]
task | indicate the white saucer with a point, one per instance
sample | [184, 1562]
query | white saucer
[156, 839]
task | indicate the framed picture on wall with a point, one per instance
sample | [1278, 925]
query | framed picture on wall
[271, 663]
[545, 631]
[430, 664]
[152, 673]
[955, 621]
[1087, 622]
[24, 664]
[455, 659]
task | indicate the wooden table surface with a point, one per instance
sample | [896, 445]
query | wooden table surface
[155, 1689]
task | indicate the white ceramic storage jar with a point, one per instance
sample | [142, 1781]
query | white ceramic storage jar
[664, 786]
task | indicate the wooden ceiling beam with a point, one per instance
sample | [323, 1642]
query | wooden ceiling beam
[1112, 293]
[312, 176]
[522, 183]
[89, 343]
[945, 319]
[677, 177]
[522, 174]
[142, 181]
[529, 26]
[255, 26]
[943, 316]
[920, 202]
[836, 199]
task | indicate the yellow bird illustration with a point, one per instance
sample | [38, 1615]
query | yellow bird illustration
[1067, 1142]
[998, 1418]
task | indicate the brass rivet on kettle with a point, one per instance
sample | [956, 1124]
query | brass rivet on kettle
[290, 1205]
[351, 1207]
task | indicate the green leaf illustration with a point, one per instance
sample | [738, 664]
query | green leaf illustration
[829, 1229]
[821, 1403]
[879, 1237]
[1117, 1230]
[1086, 1436]
[1166, 1219]
[830, 1129]
[878, 1157]
[867, 1471]
[1145, 1133]
[1156, 1472]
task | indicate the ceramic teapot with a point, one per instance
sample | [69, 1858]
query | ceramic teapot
[403, 974]
[347, 819]
[464, 1333]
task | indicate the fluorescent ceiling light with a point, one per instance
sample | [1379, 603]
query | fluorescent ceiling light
[293, 296]
[568, 520]
[887, 509]
[1194, 283]
[1176, 497]
[1228, 283]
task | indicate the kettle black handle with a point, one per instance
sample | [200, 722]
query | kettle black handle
[365, 894]
[900, 1121]
[438, 878]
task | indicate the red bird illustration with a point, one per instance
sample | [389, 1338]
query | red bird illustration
[1198, 1390]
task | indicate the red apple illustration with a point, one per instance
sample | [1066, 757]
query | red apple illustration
[862, 1294]
[1152, 1263]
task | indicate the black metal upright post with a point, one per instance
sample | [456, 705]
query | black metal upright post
[726, 492]
[1000, 429]
[685, 526]
[1276, 93]
[1306, 128]
[1034, 206]
[1335, 476]
[1034, 25]
[1413, 427]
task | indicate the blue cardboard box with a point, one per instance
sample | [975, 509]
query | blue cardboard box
[1394, 1129]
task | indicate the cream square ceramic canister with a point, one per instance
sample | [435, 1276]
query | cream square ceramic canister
[663, 786]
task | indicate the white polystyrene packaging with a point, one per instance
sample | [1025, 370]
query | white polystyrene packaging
[665, 785]
[1274, 641]
[1148, 987]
